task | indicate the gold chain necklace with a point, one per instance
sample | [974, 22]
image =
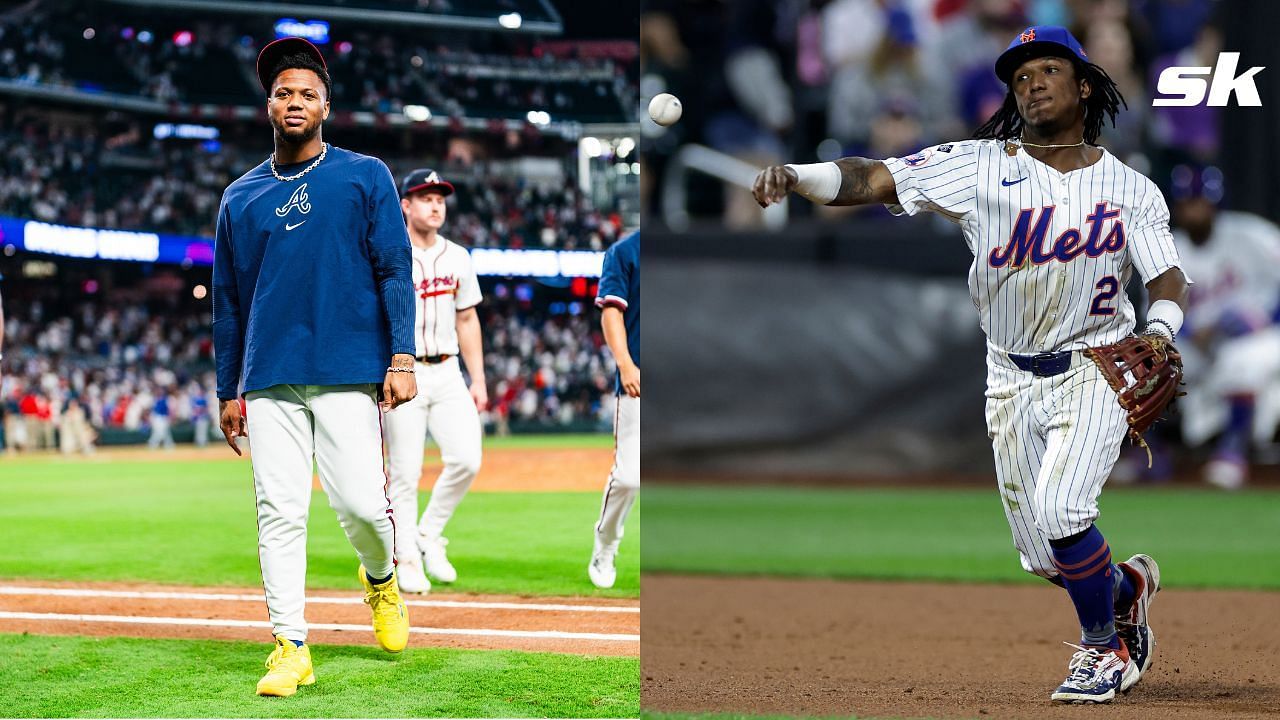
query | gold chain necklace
[324, 148]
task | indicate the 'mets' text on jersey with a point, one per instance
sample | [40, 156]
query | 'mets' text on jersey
[311, 280]
[1052, 251]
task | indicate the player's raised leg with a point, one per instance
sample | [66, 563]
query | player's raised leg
[619, 493]
[348, 440]
[406, 438]
[455, 426]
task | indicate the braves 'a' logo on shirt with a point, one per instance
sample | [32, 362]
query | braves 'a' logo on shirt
[297, 200]
[443, 285]
[1026, 241]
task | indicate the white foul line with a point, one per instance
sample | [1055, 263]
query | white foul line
[201, 622]
[156, 595]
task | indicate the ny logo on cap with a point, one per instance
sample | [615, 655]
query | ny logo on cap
[1028, 35]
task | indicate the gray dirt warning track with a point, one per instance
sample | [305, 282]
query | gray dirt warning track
[914, 650]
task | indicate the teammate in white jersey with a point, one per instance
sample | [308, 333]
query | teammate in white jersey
[446, 293]
[1233, 361]
[1057, 227]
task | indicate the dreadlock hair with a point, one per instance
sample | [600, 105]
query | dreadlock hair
[303, 61]
[1103, 102]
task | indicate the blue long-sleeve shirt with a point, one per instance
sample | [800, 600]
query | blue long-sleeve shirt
[312, 279]
[620, 288]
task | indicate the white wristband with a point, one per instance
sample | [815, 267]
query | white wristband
[1164, 315]
[819, 182]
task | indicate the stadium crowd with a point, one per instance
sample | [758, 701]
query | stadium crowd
[133, 367]
[168, 57]
[73, 172]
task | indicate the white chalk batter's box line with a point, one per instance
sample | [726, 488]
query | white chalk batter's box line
[201, 622]
[157, 595]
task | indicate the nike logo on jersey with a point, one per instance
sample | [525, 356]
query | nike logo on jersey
[290, 227]
[1026, 241]
[1006, 183]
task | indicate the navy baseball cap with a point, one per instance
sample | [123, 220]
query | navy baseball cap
[1038, 41]
[424, 179]
[1193, 181]
[275, 50]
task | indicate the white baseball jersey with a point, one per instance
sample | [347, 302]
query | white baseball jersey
[1052, 251]
[1237, 271]
[444, 283]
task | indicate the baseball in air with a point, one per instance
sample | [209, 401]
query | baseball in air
[665, 109]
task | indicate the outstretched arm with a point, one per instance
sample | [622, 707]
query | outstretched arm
[847, 181]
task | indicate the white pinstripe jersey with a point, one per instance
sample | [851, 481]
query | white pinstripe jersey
[1052, 251]
[444, 282]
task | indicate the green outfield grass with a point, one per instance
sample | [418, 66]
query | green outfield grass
[194, 522]
[1202, 538]
[121, 677]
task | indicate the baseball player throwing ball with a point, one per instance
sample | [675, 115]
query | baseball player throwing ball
[619, 300]
[312, 319]
[1057, 226]
[446, 293]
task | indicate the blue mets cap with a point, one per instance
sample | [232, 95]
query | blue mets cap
[1038, 41]
[1195, 181]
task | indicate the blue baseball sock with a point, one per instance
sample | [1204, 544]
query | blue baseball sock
[1235, 438]
[375, 581]
[1084, 562]
[298, 643]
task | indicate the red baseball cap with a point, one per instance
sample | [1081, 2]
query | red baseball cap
[277, 49]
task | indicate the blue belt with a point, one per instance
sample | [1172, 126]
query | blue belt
[1044, 364]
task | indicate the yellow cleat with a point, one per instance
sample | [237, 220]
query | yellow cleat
[390, 616]
[288, 666]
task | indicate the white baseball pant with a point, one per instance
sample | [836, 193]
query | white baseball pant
[624, 480]
[340, 427]
[1055, 440]
[445, 408]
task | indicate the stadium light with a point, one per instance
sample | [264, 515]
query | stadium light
[417, 113]
[510, 21]
[539, 117]
[625, 146]
[591, 146]
[183, 38]
[89, 33]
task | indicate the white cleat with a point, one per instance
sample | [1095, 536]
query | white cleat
[601, 570]
[411, 578]
[436, 560]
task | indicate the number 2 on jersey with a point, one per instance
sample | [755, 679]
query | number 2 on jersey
[1109, 286]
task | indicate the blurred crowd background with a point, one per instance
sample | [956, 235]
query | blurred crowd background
[134, 118]
[849, 317]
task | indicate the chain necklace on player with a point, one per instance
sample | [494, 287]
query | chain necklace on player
[1024, 143]
[324, 148]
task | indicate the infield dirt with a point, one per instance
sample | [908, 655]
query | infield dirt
[907, 650]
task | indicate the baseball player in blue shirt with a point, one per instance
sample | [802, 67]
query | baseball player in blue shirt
[619, 300]
[312, 320]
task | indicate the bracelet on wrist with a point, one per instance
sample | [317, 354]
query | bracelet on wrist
[1157, 326]
[400, 369]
